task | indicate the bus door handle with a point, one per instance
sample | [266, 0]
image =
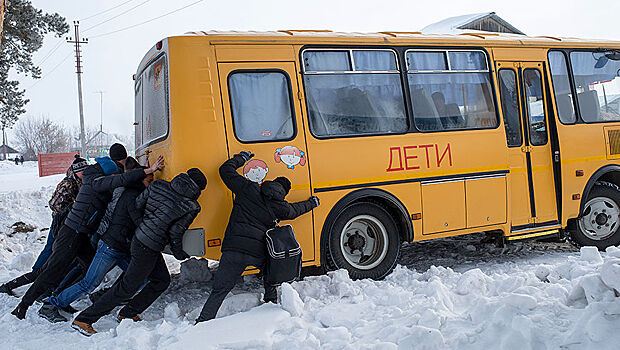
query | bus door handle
[556, 156]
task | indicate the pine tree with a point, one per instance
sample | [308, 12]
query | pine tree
[22, 34]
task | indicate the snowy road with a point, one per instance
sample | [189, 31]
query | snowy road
[447, 294]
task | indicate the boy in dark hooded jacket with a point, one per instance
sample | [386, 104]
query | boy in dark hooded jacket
[73, 239]
[244, 240]
[169, 208]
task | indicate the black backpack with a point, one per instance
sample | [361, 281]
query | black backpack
[284, 263]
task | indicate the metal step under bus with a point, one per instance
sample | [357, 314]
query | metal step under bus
[535, 235]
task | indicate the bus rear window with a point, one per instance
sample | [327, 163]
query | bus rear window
[152, 103]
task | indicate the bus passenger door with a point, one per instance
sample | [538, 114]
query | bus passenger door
[262, 115]
[532, 187]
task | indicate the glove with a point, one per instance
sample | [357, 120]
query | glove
[246, 155]
[315, 201]
[180, 255]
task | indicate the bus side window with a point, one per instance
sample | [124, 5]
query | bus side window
[261, 106]
[353, 92]
[532, 84]
[510, 106]
[561, 87]
[450, 90]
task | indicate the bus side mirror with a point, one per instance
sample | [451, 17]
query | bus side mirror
[601, 62]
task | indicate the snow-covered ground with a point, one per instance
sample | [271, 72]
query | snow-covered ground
[448, 294]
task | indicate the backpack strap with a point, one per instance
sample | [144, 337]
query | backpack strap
[273, 216]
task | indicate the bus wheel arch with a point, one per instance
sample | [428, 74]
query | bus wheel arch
[601, 194]
[374, 209]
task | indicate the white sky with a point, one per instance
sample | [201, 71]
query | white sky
[110, 61]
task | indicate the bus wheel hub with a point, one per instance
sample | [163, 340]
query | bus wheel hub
[601, 219]
[356, 242]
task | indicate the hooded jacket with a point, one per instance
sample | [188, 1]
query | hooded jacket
[98, 182]
[65, 192]
[250, 218]
[121, 218]
[168, 209]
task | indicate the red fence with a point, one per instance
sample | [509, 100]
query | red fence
[54, 163]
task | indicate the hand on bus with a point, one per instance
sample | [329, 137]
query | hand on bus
[246, 155]
[315, 201]
[159, 164]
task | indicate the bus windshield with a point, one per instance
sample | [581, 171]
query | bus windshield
[597, 81]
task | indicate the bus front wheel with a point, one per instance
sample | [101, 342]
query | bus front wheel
[363, 240]
[599, 222]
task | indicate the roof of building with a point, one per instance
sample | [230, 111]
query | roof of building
[482, 22]
[9, 149]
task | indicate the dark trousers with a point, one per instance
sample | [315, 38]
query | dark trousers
[232, 265]
[68, 246]
[145, 264]
[73, 275]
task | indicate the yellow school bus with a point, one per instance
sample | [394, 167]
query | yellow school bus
[403, 137]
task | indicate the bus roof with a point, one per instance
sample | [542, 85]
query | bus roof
[387, 37]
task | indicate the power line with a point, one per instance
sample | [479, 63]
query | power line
[50, 72]
[120, 14]
[105, 11]
[49, 54]
[147, 21]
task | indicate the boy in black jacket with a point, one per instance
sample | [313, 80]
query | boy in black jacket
[244, 240]
[73, 239]
[169, 208]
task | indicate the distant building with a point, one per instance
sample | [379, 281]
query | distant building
[478, 22]
[11, 153]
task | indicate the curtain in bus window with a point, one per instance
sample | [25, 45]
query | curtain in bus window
[154, 103]
[447, 101]
[261, 106]
[467, 60]
[354, 104]
[510, 106]
[330, 61]
[597, 80]
[138, 112]
[374, 60]
[426, 60]
[532, 84]
[561, 87]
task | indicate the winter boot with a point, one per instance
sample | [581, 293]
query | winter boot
[83, 327]
[134, 318]
[6, 290]
[69, 309]
[51, 313]
[20, 311]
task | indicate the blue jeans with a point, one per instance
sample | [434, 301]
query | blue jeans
[47, 250]
[105, 259]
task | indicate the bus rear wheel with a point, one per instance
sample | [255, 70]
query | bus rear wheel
[599, 223]
[363, 240]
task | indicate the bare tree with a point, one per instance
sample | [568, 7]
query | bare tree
[41, 135]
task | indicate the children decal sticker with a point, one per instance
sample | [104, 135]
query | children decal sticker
[290, 155]
[255, 170]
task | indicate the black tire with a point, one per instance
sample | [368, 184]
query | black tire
[580, 232]
[373, 214]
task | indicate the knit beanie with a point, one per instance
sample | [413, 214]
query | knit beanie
[118, 152]
[198, 177]
[78, 164]
[286, 184]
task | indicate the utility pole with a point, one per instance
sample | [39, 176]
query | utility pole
[78, 61]
[100, 92]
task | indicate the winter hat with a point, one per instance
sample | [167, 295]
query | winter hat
[286, 184]
[118, 152]
[78, 164]
[198, 177]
